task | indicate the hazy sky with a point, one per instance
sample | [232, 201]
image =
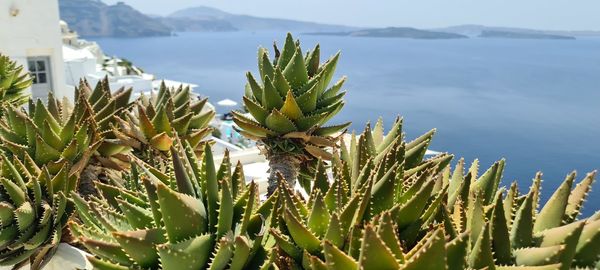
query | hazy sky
[542, 14]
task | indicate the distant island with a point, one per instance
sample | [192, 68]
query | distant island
[517, 35]
[395, 32]
[482, 31]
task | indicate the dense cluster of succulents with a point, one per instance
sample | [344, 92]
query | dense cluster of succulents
[401, 208]
[289, 108]
[49, 135]
[373, 200]
[103, 106]
[188, 216]
[163, 117]
[382, 188]
[45, 149]
[34, 209]
[506, 229]
[13, 82]
[80, 134]
[65, 143]
[415, 217]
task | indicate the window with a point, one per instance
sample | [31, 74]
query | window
[39, 71]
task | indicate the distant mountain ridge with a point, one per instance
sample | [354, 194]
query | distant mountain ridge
[94, 18]
[201, 12]
[252, 23]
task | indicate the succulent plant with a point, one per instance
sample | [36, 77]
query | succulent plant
[13, 82]
[49, 136]
[59, 132]
[375, 150]
[288, 110]
[339, 210]
[383, 224]
[162, 117]
[104, 106]
[33, 211]
[188, 216]
[62, 132]
[506, 229]
[422, 203]
[51, 146]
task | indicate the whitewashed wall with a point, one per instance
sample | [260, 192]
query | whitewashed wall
[33, 31]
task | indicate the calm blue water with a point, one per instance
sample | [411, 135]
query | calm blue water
[534, 102]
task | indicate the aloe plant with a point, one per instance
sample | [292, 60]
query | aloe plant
[188, 216]
[316, 234]
[507, 229]
[162, 117]
[421, 203]
[33, 211]
[62, 132]
[288, 110]
[103, 106]
[51, 146]
[13, 83]
[334, 224]
[49, 135]
[373, 179]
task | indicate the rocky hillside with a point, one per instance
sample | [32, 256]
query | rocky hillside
[201, 14]
[198, 25]
[94, 18]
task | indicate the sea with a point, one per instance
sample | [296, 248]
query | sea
[534, 102]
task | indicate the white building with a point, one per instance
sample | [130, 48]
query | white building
[71, 38]
[85, 59]
[30, 34]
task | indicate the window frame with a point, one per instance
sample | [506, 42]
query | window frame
[39, 68]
